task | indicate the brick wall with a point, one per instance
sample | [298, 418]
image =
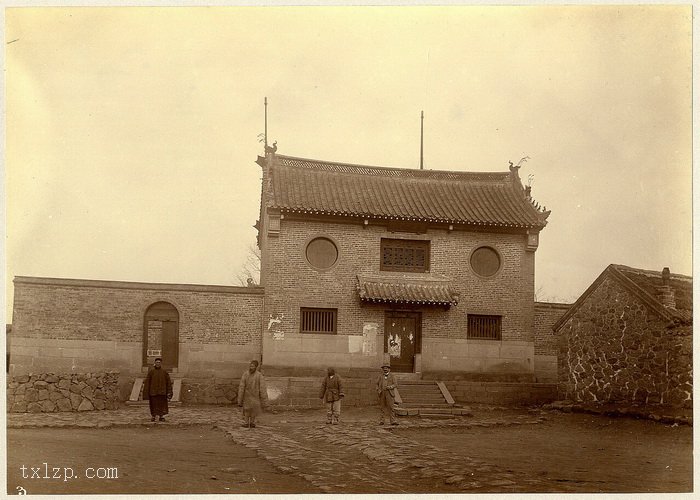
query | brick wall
[546, 314]
[614, 348]
[73, 325]
[291, 283]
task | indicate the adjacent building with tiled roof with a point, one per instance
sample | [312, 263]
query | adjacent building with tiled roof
[432, 268]
[628, 338]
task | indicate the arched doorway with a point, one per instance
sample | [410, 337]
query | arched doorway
[161, 336]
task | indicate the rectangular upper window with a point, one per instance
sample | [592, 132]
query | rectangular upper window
[316, 320]
[405, 255]
[484, 327]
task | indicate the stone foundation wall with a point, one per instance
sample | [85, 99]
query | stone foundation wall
[303, 392]
[501, 393]
[615, 349]
[218, 391]
[282, 392]
[49, 392]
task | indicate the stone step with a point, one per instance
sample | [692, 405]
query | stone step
[428, 412]
[425, 405]
[430, 399]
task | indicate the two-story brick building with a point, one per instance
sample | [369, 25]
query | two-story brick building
[434, 268]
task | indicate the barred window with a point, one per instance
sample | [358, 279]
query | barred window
[315, 320]
[484, 327]
[405, 255]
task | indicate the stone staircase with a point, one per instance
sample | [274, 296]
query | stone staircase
[425, 398]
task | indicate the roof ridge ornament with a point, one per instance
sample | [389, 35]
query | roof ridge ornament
[271, 149]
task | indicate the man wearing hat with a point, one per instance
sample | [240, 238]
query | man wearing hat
[158, 389]
[386, 383]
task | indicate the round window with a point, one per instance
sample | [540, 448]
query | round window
[321, 253]
[485, 261]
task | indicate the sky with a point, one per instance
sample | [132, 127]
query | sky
[132, 132]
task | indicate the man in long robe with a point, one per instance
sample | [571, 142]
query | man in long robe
[252, 393]
[158, 389]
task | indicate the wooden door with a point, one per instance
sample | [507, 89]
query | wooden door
[161, 337]
[170, 345]
[401, 339]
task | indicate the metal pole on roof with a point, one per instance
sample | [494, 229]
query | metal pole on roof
[421, 140]
[265, 124]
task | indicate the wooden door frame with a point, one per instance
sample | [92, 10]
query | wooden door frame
[164, 318]
[418, 318]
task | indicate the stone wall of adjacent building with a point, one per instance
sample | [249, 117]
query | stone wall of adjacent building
[292, 283]
[614, 348]
[64, 325]
[546, 350]
[51, 392]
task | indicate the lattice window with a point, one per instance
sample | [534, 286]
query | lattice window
[316, 320]
[484, 327]
[405, 255]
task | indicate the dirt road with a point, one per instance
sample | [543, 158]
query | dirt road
[581, 453]
[147, 461]
[494, 451]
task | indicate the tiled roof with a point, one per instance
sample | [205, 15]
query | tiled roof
[301, 185]
[406, 291]
[650, 282]
[645, 285]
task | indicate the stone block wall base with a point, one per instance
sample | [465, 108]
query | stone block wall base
[502, 393]
[62, 392]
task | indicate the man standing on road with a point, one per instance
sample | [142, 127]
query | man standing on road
[252, 393]
[158, 389]
[386, 383]
[331, 394]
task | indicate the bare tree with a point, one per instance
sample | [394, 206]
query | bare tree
[249, 274]
[542, 296]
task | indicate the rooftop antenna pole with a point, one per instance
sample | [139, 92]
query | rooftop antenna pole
[265, 124]
[421, 140]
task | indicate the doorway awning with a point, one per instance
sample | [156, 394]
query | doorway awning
[402, 290]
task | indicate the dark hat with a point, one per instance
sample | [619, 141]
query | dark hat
[386, 361]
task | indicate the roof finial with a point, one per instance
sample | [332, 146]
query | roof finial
[523, 160]
[421, 139]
